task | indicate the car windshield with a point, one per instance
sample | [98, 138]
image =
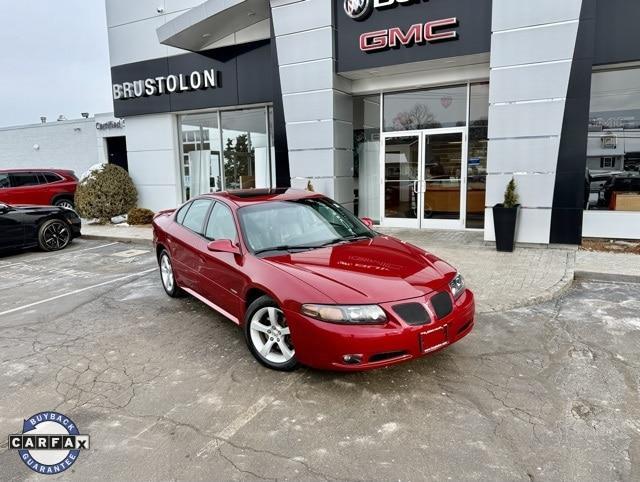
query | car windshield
[299, 224]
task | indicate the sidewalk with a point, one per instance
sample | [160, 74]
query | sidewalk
[501, 281]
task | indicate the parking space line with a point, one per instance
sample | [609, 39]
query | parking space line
[244, 418]
[75, 292]
[50, 255]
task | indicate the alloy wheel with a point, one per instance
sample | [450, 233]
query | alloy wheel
[56, 235]
[65, 204]
[166, 272]
[271, 336]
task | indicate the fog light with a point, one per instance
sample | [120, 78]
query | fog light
[352, 359]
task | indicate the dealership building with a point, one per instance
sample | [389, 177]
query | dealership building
[413, 113]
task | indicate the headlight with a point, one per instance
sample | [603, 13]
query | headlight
[457, 286]
[360, 314]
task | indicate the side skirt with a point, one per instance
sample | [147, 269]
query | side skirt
[212, 305]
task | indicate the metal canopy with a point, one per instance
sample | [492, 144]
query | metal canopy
[237, 21]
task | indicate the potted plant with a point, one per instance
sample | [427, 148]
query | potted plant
[505, 218]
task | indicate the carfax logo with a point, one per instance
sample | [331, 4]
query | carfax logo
[49, 443]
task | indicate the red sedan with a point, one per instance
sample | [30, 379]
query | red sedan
[309, 282]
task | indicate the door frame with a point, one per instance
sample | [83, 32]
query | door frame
[420, 222]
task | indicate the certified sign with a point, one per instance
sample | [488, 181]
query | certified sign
[49, 443]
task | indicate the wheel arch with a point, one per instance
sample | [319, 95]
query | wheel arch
[62, 195]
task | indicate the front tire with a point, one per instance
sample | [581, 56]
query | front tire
[54, 235]
[268, 336]
[167, 276]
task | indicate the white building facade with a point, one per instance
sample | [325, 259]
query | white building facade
[414, 113]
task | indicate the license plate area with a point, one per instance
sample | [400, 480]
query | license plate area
[432, 340]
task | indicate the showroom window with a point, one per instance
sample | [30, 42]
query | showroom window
[366, 155]
[613, 152]
[376, 120]
[426, 109]
[224, 150]
[477, 156]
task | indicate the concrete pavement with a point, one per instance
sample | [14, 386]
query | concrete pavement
[167, 389]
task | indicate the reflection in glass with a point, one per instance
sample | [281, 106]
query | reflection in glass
[245, 154]
[426, 109]
[401, 177]
[366, 155]
[443, 169]
[200, 154]
[477, 158]
[612, 178]
[246, 149]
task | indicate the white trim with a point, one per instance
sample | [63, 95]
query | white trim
[211, 305]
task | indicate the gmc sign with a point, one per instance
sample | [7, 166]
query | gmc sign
[417, 34]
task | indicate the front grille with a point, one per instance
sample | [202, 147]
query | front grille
[412, 313]
[386, 356]
[442, 304]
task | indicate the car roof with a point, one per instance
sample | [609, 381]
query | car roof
[247, 197]
[44, 169]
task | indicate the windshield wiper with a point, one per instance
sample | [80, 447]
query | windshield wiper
[288, 247]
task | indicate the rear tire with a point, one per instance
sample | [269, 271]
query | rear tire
[54, 235]
[268, 336]
[64, 203]
[167, 277]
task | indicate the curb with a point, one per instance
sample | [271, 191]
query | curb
[557, 291]
[119, 239]
[606, 277]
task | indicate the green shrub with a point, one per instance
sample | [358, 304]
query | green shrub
[511, 198]
[106, 193]
[139, 216]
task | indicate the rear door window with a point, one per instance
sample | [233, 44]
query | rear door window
[182, 213]
[197, 214]
[51, 177]
[4, 181]
[22, 179]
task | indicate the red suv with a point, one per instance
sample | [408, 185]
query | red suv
[45, 187]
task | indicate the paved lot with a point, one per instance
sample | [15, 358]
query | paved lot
[167, 390]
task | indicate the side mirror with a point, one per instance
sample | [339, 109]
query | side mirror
[368, 222]
[223, 246]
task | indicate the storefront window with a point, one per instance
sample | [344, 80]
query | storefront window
[426, 109]
[246, 149]
[226, 150]
[366, 155]
[613, 153]
[200, 154]
[477, 158]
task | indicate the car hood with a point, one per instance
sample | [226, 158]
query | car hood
[32, 208]
[378, 270]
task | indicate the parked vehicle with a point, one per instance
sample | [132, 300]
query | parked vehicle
[309, 282]
[42, 187]
[628, 182]
[51, 228]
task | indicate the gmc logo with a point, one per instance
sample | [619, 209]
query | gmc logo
[417, 34]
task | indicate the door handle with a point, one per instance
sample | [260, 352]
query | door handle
[415, 187]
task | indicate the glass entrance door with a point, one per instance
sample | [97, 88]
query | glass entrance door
[424, 178]
[401, 174]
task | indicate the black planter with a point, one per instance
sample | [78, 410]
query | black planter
[504, 223]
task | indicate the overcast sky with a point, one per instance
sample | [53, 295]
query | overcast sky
[54, 60]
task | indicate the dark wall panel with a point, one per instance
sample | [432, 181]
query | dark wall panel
[474, 31]
[239, 80]
[569, 193]
[281, 145]
[617, 32]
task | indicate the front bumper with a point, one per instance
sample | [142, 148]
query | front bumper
[324, 345]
